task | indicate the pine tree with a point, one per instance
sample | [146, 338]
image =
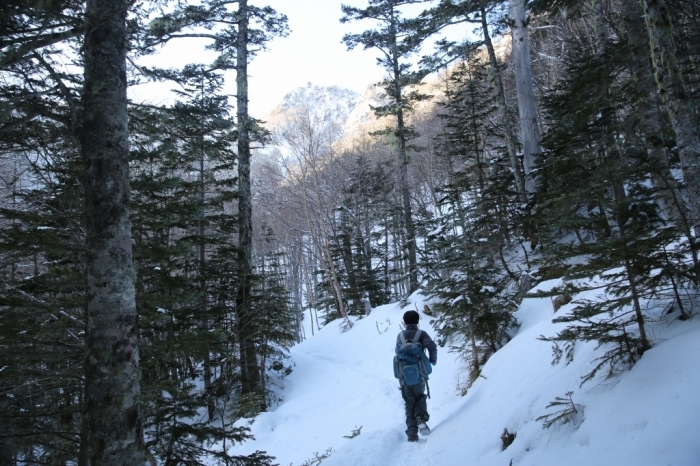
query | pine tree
[245, 29]
[43, 299]
[622, 240]
[397, 39]
[42, 238]
[470, 287]
[362, 212]
[43, 244]
[112, 430]
[183, 179]
[450, 12]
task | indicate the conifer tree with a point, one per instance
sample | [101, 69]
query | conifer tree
[42, 238]
[46, 269]
[450, 12]
[43, 299]
[112, 426]
[464, 275]
[362, 211]
[396, 39]
[31, 28]
[621, 240]
[245, 29]
[183, 166]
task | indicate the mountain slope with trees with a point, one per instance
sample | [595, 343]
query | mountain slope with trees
[224, 236]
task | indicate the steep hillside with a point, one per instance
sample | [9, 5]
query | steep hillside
[343, 381]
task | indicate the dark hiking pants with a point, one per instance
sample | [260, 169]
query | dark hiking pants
[416, 406]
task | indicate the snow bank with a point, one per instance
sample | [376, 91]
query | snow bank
[343, 381]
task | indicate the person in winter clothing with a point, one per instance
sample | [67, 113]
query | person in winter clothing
[414, 396]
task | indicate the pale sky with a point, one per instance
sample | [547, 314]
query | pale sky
[312, 53]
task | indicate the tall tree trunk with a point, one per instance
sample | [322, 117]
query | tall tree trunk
[346, 247]
[208, 389]
[401, 134]
[639, 316]
[670, 199]
[610, 148]
[309, 294]
[112, 427]
[251, 379]
[503, 108]
[677, 100]
[476, 367]
[527, 107]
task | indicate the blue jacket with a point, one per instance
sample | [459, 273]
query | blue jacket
[424, 340]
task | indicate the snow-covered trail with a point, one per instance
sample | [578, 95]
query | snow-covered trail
[343, 381]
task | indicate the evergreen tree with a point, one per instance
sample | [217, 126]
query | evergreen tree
[183, 179]
[397, 39]
[362, 213]
[450, 12]
[43, 298]
[623, 240]
[44, 248]
[43, 235]
[464, 276]
[112, 431]
[245, 29]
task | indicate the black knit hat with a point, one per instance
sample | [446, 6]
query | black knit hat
[410, 317]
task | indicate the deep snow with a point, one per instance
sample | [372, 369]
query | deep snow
[343, 381]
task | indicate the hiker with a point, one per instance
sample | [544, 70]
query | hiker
[413, 373]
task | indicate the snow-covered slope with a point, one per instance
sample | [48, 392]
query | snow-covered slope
[343, 381]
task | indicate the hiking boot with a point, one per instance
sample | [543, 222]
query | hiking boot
[413, 438]
[423, 427]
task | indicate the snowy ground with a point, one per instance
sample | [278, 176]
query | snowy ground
[649, 415]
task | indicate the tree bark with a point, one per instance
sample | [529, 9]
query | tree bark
[527, 107]
[208, 389]
[670, 199]
[251, 377]
[112, 427]
[309, 294]
[503, 108]
[677, 100]
[401, 134]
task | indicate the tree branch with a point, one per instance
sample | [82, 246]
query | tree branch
[22, 53]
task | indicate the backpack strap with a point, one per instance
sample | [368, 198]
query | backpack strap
[416, 337]
[402, 337]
